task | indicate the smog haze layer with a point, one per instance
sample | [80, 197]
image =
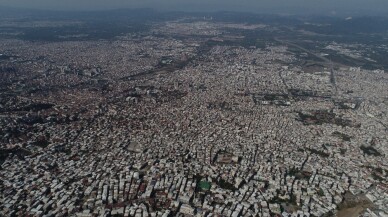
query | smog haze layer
[330, 7]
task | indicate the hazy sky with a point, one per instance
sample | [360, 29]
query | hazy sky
[284, 6]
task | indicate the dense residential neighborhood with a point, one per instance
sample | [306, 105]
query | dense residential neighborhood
[182, 122]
